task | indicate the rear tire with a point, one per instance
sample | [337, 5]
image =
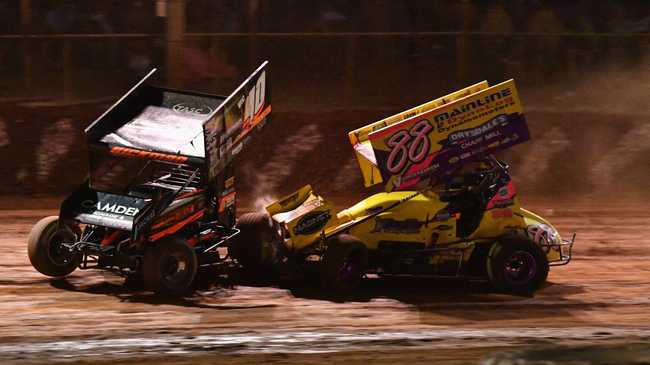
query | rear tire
[169, 267]
[517, 265]
[45, 251]
[258, 247]
[344, 263]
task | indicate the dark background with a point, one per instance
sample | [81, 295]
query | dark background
[583, 68]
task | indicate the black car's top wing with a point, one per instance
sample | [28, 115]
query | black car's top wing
[153, 123]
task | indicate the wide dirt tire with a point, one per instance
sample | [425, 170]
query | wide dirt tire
[344, 263]
[517, 265]
[258, 247]
[45, 251]
[169, 267]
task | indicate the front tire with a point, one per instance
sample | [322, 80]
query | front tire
[169, 267]
[344, 263]
[517, 265]
[45, 250]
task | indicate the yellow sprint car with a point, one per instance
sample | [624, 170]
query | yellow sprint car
[450, 208]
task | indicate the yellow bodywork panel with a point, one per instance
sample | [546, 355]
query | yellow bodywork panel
[290, 202]
[540, 229]
[412, 221]
[304, 214]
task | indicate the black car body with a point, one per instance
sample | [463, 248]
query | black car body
[160, 171]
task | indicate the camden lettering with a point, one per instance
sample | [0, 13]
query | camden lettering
[110, 208]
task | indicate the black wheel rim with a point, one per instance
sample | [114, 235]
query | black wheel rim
[350, 271]
[57, 253]
[175, 268]
[520, 268]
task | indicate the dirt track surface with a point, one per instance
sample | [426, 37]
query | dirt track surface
[603, 297]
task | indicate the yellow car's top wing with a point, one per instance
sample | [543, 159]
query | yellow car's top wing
[363, 148]
[414, 148]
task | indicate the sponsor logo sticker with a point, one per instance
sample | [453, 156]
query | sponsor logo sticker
[389, 225]
[312, 222]
[184, 108]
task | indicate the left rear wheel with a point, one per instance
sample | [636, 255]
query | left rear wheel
[169, 267]
[258, 246]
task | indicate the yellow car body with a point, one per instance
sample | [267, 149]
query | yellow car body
[419, 220]
[449, 207]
